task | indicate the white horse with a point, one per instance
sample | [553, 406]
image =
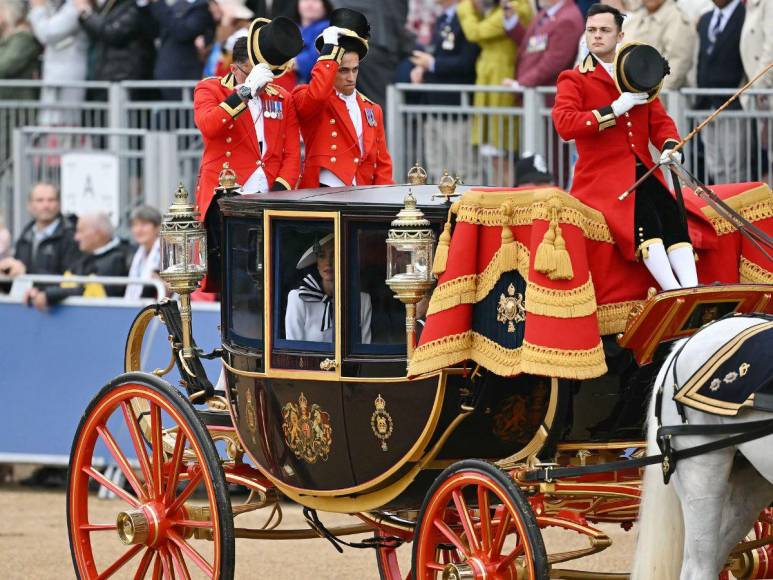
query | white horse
[688, 527]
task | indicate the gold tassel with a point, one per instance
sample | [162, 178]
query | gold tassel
[508, 249]
[443, 245]
[563, 261]
[545, 259]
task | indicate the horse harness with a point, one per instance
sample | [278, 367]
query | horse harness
[668, 457]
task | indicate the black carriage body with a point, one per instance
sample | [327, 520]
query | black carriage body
[360, 435]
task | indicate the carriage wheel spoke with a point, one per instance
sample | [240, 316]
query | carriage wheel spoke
[185, 493]
[179, 562]
[464, 516]
[142, 569]
[192, 524]
[138, 441]
[121, 460]
[435, 566]
[105, 482]
[504, 524]
[177, 457]
[157, 567]
[507, 560]
[166, 564]
[450, 535]
[197, 558]
[119, 563]
[157, 444]
[485, 518]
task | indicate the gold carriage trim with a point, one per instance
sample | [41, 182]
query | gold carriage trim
[751, 273]
[523, 207]
[614, 317]
[580, 301]
[755, 204]
[528, 358]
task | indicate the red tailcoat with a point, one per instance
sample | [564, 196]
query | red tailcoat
[329, 135]
[230, 139]
[608, 148]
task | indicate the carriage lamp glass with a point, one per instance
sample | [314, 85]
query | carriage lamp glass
[183, 245]
[183, 257]
[410, 250]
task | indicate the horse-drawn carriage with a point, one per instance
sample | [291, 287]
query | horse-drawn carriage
[520, 370]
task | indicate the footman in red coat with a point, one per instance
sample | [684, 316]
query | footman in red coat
[609, 106]
[343, 130]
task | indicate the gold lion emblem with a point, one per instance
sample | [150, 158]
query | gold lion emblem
[307, 430]
[511, 309]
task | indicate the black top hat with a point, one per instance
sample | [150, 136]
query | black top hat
[356, 31]
[640, 68]
[532, 169]
[274, 42]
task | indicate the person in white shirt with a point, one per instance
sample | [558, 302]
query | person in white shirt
[310, 312]
[146, 227]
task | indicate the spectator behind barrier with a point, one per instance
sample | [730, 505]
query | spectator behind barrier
[720, 66]
[232, 20]
[122, 44]
[103, 255]
[46, 244]
[450, 59]
[312, 17]
[65, 43]
[180, 24]
[5, 238]
[662, 24]
[146, 226]
[19, 50]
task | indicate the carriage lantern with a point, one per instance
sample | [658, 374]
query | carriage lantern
[410, 249]
[183, 256]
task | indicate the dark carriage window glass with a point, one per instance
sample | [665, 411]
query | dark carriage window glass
[244, 294]
[371, 300]
[303, 254]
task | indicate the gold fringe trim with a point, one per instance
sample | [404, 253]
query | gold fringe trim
[566, 364]
[450, 294]
[580, 301]
[754, 213]
[614, 317]
[755, 204]
[529, 358]
[751, 273]
[511, 256]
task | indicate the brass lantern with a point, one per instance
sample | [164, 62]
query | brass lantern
[183, 256]
[410, 250]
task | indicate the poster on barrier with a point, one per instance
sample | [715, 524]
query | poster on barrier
[90, 184]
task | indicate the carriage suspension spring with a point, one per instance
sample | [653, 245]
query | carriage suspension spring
[375, 542]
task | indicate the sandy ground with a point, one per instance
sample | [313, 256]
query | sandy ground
[34, 544]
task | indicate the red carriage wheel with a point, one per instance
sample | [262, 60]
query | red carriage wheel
[476, 523]
[173, 519]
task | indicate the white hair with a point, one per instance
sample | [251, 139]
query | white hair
[12, 11]
[101, 221]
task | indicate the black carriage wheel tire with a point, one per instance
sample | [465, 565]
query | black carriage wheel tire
[531, 531]
[183, 407]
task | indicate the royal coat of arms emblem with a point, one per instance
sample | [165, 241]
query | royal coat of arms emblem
[381, 422]
[307, 430]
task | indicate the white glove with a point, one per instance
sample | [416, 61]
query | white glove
[628, 101]
[671, 156]
[258, 78]
[330, 35]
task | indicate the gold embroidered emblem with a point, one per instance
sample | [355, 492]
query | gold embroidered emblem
[731, 377]
[307, 430]
[381, 422]
[250, 410]
[715, 384]
[743, 369]
[511, 310]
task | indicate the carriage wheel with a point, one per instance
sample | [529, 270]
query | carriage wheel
[476, 523]
[173, 520]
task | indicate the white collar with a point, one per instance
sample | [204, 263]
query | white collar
[47, 231]
[107, 247]
[555, 8]
[450, 12]
[726, 12]
[348, 99]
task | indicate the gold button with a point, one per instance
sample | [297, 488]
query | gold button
[334, 147]
[231, 126]
[223, 121]
[630, 134]
[332, 121]
[629, 124]
[228, 139]
[334, 134]
[259, 163]
[632, 145]
[332, 160]
[227, 153]
[356, 159]
[588, 123]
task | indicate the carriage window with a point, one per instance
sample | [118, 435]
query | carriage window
[380, 326]
[304, 281]
[245, 282]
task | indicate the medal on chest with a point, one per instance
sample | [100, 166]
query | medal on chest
[449, 38]
[273, 109]
[370, 115]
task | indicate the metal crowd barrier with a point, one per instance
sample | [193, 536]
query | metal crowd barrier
[20, 284]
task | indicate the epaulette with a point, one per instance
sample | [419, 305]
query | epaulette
[228, 81]
[272, 91]
[366, 99]
[587, 65]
